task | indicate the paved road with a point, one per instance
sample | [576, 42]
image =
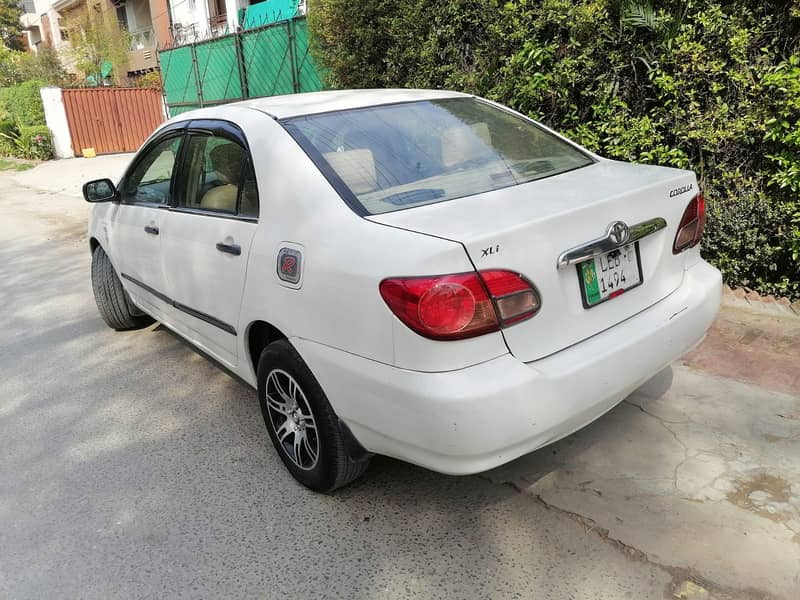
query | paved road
[132, 467]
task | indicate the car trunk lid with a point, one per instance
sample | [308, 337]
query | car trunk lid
[526, 228]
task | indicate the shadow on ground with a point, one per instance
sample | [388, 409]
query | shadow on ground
[134, 467]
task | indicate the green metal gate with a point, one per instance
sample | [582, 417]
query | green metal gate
[265, 61]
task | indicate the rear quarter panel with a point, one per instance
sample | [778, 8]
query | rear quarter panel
[344, 258]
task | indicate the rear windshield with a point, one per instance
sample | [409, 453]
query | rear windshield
[387, 158]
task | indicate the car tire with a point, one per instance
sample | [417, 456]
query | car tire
[295, 395]
[112, 301]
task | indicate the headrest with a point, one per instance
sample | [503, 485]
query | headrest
[355, 167]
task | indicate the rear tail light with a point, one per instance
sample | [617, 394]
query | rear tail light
[464, 305]
[692, 225]
[514, 298]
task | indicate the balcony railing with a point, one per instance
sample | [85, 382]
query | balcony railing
[142, 38]
[142, 56]
[184, 34]
[218, 25]
[190, 33]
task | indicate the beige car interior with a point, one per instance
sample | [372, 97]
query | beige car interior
[226, 160]
[356, 168]
[459, 144]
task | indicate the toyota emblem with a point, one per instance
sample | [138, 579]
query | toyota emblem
[618, 232]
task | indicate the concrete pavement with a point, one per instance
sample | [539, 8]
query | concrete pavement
[66, 177]
[133, 467]
[693, 471]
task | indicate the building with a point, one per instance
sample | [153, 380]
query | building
[195, 20]
[43, 21]
[152, 23]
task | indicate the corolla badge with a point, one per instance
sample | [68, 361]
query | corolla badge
[681, 190]
[618, 232]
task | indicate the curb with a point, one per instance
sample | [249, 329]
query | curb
[748, 299]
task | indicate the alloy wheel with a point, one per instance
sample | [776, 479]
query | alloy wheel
[292, 420]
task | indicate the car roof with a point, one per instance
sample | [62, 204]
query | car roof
[294, 105]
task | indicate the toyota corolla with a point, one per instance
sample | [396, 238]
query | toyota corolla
[421, 274]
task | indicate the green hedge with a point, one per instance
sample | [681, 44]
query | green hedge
[4, 114]
[33, 142]
[8, 133]
[22, 104]
[22, 125]
[713, 86]
[36, 142]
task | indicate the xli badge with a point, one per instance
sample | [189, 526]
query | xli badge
[490, 250]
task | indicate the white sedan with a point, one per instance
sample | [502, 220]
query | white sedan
[422, 274]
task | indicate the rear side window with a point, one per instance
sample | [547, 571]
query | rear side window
[398, 156]
[219, 177]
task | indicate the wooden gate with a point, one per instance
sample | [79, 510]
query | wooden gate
[111, 119]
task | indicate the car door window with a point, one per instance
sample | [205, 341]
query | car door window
[219, 177]
[149, 181]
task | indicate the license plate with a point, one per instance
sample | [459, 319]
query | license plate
[608, 275]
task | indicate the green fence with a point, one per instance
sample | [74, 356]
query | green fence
[265, 61]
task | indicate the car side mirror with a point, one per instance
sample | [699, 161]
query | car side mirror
[100, 190]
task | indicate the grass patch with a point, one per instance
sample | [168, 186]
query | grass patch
[12, 165]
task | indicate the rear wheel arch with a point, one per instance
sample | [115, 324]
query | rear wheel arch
[259, 335]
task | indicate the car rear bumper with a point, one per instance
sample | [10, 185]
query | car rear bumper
[477, 418]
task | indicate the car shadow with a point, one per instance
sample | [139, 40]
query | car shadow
[530, 468]
[133, 466]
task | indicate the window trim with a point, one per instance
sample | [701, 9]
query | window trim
[212, 213]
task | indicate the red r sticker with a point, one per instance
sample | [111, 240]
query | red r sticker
[289, 265]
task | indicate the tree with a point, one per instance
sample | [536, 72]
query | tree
[10, 27]
[44, 66]
[710, 85]
[97, 41]
[406, 43]
[9, 67]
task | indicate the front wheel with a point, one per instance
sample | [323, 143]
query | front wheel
[305, 431]
[113, 303]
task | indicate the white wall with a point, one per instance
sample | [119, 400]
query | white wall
[192, 12]
[42, 7]
[232, 11]
[34, 37]
[56, 118]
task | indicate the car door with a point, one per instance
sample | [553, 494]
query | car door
[136, 227]
[210, 228]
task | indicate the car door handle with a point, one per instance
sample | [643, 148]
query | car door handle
[234, 249]
[151, 230]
